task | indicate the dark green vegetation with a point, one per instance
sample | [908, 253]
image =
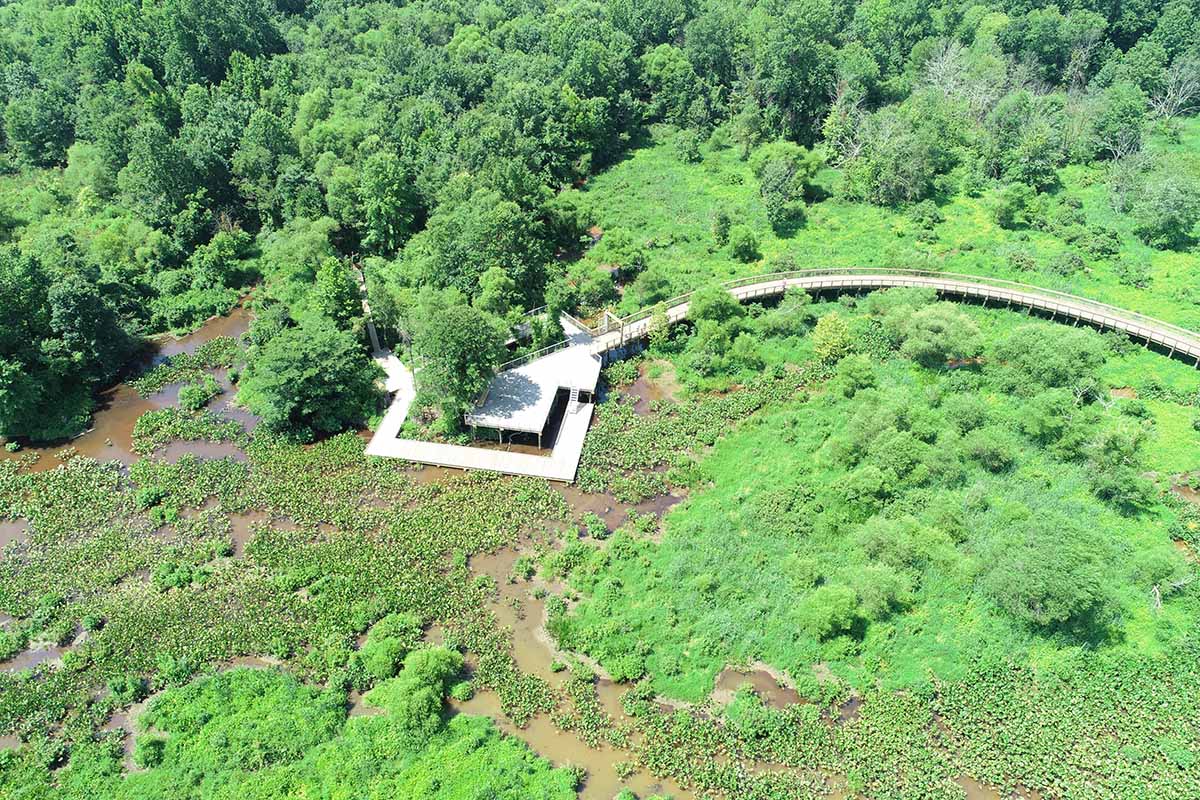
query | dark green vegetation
[914, 521]
[144, 607]
[157, 160]
[991, 540]
[256, 733]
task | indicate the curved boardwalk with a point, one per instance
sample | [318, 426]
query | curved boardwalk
[1175, 340]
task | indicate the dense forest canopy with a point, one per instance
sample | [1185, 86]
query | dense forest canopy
[159, 158]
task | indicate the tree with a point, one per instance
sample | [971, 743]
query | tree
[785, 172]
[743, 244]
[1167, 209]
[1119, 120]
[672, 83]
[497, 292]
[458, 348]
[414, 698]
[85, 338]
[893, 163]
[652, 286]
[828, 610]
[714, 302]
[855, 372]
[1046, 570]
[994, 447]
[1180, 90]
[38, 123]
[831, 338]
[336, 294]
[722, 221]
[157, 180]
[618, 248]
[310, 380]
[659, 332]
[1043, 355]
[1015, 206]
[793, 63]
[388, 201]
[939, 333]
[464, 239]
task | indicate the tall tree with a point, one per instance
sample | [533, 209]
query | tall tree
[458, 348]
[310, 380]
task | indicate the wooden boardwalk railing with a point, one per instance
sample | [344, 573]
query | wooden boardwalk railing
[1172, 338]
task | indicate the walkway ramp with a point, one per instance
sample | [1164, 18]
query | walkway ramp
[560, 465]
[518, 399]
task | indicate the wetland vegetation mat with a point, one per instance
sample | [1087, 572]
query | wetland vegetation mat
[944, 569]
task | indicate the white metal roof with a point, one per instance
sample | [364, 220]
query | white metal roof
[520, 399]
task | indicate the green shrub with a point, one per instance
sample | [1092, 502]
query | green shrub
[994, 447]
[194, 396]
[150, 496]
[595, 525]
[828, 611]
[148, 751]
[12, 643]
[1015, 206]
[1066, 263]
[388, 643]
[1132, 272]
[1021, 260]
[743, 244]
[128, 689]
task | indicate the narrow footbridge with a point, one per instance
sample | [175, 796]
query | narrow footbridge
[615, 333]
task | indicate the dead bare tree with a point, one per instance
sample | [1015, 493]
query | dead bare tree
[1125, 176]
[1082, 56]
[1180, 93]
[844, 122]
[945, 69]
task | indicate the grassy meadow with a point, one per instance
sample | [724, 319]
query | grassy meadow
[667, 205]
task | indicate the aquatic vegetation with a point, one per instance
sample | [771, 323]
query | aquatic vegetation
[218, 352]
[155, 428]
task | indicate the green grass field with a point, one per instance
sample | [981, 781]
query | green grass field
[769, 513]
[667, 205]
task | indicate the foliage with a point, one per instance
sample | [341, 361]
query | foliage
[310, 380]
[459, 347]
[218, 352]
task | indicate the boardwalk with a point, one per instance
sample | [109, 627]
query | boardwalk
[1172, 338]
[560, 465]
[519, 399]
[616, 333]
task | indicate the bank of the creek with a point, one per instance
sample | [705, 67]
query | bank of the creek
[110, 435]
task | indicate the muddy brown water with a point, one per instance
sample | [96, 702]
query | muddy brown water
[13, 530]
[109, 439]
[534, 651]
[976, 790]
[173, 451]
[564, 748]
[609, 508]
[33, 657]
[1184, 548]
[645, 391]
[762, 682]
[110, 436]
[1187, 493]
[233, 324]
